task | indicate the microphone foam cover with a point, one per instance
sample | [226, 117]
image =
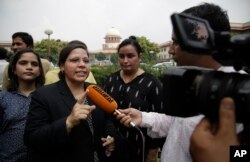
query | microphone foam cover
[101, 98]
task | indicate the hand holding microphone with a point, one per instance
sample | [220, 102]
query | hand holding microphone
[104, 101]
[126, 116]
[108, 104]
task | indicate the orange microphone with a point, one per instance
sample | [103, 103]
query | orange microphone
[109, 105]
[103, 100]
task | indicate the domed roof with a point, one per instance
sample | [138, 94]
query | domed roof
[113, 32]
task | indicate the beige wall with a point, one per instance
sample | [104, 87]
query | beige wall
[6, 44]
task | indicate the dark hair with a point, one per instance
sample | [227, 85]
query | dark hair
[3, 53]
[26, 37]
[78, 42]
[131, 41]
[13, 85]
[65, 53]
[214, 14]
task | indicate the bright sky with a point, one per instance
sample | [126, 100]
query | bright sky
[89, 20]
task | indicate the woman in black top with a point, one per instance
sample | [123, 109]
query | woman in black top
[63, 124]
[133, 87]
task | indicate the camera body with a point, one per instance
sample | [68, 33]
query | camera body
[196, 36]
[190, 91]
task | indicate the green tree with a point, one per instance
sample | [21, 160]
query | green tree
[55, 47]
[100, 56]
[114, 59]
[101, 73]
[150, 49]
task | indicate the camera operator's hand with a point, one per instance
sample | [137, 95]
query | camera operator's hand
[210, 144]
[129, 115]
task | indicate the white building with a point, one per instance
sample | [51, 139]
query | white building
[112, 40]
[163, 55]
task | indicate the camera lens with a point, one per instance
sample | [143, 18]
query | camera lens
[189, 92]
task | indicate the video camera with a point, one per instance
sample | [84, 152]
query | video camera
[196, 36]
[190, 91]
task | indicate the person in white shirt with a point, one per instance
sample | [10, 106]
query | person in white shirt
[206, 140]
[3, 63]
[178, 130]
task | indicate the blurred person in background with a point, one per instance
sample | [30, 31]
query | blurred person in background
[3, 63]
[21, 40]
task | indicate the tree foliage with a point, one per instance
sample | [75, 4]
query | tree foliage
[100, 56]
[55, 47]
[150, 49]
[114, 59]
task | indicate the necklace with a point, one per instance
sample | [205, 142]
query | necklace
[77, 97]
[78, 94]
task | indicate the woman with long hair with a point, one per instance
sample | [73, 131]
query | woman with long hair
[26, 75]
